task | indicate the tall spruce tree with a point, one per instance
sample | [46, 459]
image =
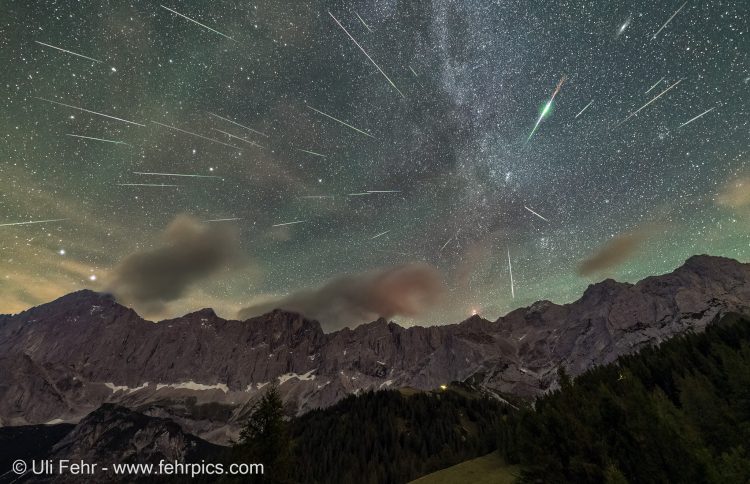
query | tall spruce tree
[265, 438]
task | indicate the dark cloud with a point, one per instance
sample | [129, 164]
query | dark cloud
[615, 252]
[404, 290]
[190, 251]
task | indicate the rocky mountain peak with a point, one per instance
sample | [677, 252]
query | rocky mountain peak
[113, 433]
[65, 358]
[601, 291]
[707, 266]
[205, 313]
[285, 327]
[78, 305]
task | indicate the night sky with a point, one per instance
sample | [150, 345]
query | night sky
[440, 168]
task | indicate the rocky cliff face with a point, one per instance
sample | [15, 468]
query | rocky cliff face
[62, 360]
[116, 434]
[110, 434]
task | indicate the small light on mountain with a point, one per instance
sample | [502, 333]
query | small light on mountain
[474, 312]
[444, 387]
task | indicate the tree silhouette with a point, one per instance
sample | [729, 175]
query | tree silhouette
[265, 438]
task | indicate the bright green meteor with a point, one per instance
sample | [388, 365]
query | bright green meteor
[544, 113]
[547, 107]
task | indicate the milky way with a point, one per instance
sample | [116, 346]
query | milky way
[398, 136]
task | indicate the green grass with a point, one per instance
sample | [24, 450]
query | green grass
[489, 469]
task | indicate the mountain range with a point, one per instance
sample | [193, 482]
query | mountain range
[64, 359]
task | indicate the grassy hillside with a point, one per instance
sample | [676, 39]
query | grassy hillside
[488, 469]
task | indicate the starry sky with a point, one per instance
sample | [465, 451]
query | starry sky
[434, 163]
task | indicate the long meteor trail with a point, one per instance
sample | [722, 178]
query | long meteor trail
[363, 22]
[146, 185]
[379, 235]
[92, 112]
[530, 210]
[547, 106]
[365, 53]
[67, 51]
[197, 23]
[288, 223]
[341, 122]
[236, 123]
[310, 152]
[97, 139]
[585, 108]
[197, 135]
[174, 174]
[223, 219]
[655, 84]
[668, 20]
[510, 270]
[33, 222]
[654, 99]
[238, 137]
[699, 116]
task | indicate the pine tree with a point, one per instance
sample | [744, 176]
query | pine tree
[265, 438]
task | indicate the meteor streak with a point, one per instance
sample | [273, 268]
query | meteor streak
[383, 191]
[146, 185]
[197, 135]
[416, 77]
[365, 53]
[341, 122]
[668, 20]
[447, 241]
[541, 117]
[97, 139]
[547, 106]
[67, 51]
[197, 23]
[310, 152]
[362, 194]
[239, 138]
[654, 99]
[223, 219]
[92, 112]
[510, 269]
[236, 123]
[699, 116]
[33, 222]
[288, 223]
[656, 84]
[174, 174]
[585, 108]
[530, 210]
[378, 235]
[363, 22]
